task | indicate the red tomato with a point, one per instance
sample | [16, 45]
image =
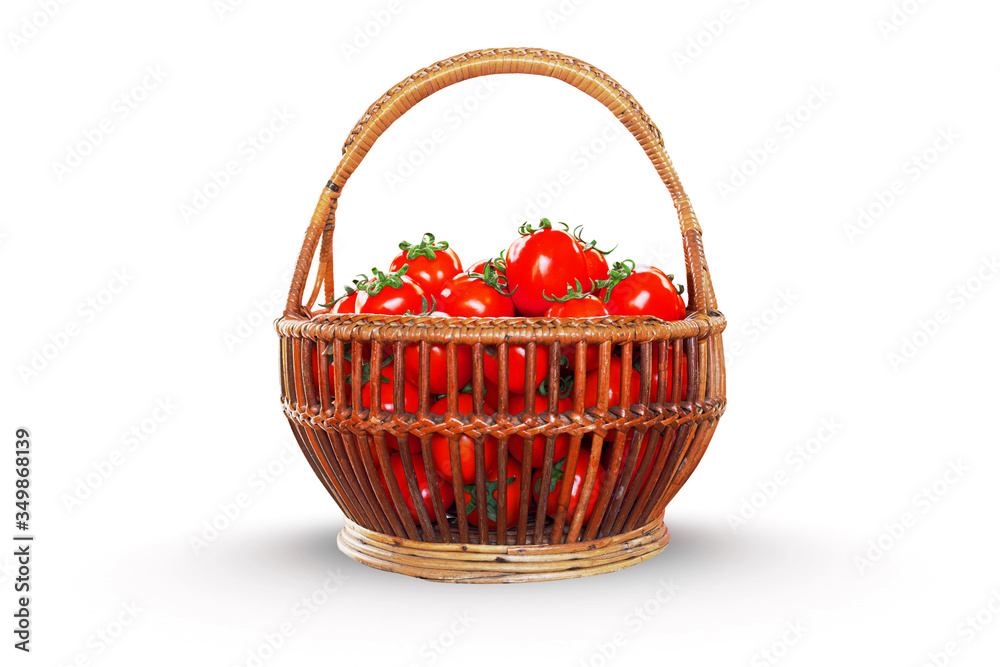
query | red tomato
[543, 262]
[441, 445]
[447, 493]
[438, 378]
[393, 294]
[516, 367]
[515, 445]
[586, 305]
[346, 303]
[614, 386]
[513, 483]
[477, 294]
[432, 263]
[597, 265]
[607, 452]
[479, 266]
[411, 402]
[492, 392]
[555, 487]
[499, 264]
[642, 290]
[411, 396]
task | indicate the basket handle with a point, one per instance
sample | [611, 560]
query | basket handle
[404, 95]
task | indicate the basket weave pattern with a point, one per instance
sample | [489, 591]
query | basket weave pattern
[334, 429]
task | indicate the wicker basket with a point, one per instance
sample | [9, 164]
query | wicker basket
[626, 524]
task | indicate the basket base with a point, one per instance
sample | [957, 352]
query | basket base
[498, 564]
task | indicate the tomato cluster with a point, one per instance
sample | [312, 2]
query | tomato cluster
[546, 272]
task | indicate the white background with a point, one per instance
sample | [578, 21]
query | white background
[816, 313]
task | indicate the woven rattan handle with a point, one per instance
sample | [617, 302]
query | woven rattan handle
[398, 100]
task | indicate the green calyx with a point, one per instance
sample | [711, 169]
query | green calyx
[428, 247]
[571, 293]
[527, 230]
[491, 498]
[495, 275]
[467, 389]
[428, 307]
[382, 280]
[617, 273]
[356, 284]
[557, 475]
[587, 245]
[565, 382]
[677, 288]
[366, 370]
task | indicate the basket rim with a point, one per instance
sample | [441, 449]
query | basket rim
[493, 331]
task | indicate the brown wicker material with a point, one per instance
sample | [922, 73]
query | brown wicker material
[333, 430]
[483, 564]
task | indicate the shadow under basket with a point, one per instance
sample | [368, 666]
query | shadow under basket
[634, 454]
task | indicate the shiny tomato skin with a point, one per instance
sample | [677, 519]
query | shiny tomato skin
[430, 274]
[552, 504]
[396, 463]
[441, 445]
[513, 496]
[479, 266]
[588, 306]
[515, 445]
[545, 261]
[680, 305]
[646, 291]
[408, 297]
[466, 296]
[597, 265]
[614, 386]
[346, 303]
[517, 362]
